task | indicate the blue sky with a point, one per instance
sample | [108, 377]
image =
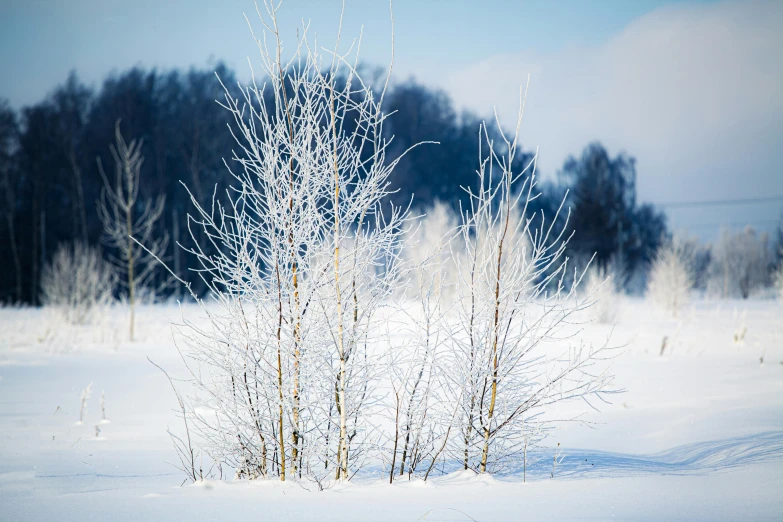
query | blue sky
[692, 89]
[42, 41]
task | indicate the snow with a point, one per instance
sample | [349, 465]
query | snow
[698, 434]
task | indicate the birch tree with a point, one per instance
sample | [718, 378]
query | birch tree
[422, 410]
[513, 346]
[129, 224]
[302, 259]
[291, 358]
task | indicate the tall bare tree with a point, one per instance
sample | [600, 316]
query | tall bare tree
[129, 223]
[303, 259]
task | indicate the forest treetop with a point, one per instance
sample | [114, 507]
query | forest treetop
[50, 178]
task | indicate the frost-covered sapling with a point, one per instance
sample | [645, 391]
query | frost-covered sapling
[557, 458]
[423, 414]
[77, 283]
[671, 278]
[126, 228]
[86, 394]
[778, 279]
[104, 420]
[427, 251]
[740, 264]
[513, 308]
[305, 257]
[601, 285]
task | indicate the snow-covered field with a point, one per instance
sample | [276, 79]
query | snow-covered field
[698, 434]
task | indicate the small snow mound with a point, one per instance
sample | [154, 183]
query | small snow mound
[205, 484]
[462, 476]
[414, 483]
[467, 476]
[485, 478]
[271, 482]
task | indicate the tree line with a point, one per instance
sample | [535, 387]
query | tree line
[50, 179]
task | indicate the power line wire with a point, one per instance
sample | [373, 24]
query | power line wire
[716, 202]
[729, 224]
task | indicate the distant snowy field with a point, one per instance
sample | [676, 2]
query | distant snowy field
[698, 435]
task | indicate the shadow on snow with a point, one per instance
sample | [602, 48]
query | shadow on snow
[696, 458]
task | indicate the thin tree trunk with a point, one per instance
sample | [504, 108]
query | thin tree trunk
[297, 319]
[343, 417]
[77, 173]
[175, 223]
[280, 371]
[42, 229]
[297, 339]
[495, 335]
[36, 242]
[343, 455]
[435, 457]
[469, 429]
[408, 414]
[10, 221]
[396, 435]
[280, 412]
[131, 266]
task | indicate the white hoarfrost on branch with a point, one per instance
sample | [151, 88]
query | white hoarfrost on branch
[671, 277]
[513, 337]
[778, 280]
[304, 259]
[427, 249]
[86, 394]
[602, 285]
[77, 283]
[327, 347]
[126, 230]
[422, 420]
[740, 264]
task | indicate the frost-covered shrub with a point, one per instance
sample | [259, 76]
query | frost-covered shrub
[600, 284]
[671, 277]
[289, 370]
[699, 258]
[77, 283]
[739, 264]
[512, 310]
[306, 256]
[128, 225]
[779, 282]
[427, 248]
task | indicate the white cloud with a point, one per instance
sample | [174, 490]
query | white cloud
[694, 92]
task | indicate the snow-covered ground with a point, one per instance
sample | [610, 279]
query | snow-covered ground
[698, 434]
